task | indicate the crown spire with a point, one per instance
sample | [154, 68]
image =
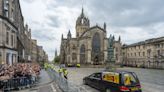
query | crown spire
[82, 12]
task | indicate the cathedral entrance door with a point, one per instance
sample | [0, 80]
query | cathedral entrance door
[96, 60]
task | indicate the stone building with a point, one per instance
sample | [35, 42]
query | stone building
[148, 53]
[41, 54]
[34, 51]
[88, 47]
[27, 44]
[118, 51]
[15, 37]
[8, 32]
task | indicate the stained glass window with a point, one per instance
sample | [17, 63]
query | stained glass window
[96, 43]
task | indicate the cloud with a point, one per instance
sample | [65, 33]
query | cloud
[128, 12]
[133, 20]
[29, 1]
[53, 21]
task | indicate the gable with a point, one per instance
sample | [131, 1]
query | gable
[92, 28]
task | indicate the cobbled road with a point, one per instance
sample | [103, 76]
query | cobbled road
[151, 80]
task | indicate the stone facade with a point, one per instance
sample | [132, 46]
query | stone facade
[34, 53]
[8, 33]
[41, 54]
[148, 53]
[15, 37]
[89, 46]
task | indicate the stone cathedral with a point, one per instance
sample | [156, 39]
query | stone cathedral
[90, 46]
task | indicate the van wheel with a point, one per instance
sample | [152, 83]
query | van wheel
[108, 90]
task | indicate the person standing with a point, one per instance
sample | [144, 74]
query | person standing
[60, 71]
[65, 72]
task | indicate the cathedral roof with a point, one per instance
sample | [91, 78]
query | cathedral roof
[93, 28]
[148, 41]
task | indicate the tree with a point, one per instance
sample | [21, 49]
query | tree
[57, 59]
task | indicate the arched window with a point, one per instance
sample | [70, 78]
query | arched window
[82, 49]
[96, 49]
[96, 43]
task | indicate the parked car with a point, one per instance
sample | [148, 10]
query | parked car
[73, 65]
[114, 81]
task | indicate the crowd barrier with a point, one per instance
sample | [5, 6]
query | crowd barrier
[63, 84]
[17, 83]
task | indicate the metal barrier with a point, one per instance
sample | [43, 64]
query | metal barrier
[17, 83]
[64, 85]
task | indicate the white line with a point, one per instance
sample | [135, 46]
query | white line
[54, 90]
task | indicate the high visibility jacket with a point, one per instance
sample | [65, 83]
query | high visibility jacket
[65, 72]
[60, 70]
[78, 65]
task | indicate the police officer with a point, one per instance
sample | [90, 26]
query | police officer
[60, 71]
[65, 72]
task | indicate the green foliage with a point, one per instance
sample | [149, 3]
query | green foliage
[57, 59]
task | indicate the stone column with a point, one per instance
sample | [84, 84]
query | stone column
[78, 55]
[89, 56]
[105, 50]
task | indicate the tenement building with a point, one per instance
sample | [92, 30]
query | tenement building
[148, 53]
[8, 33]
[90, 46]
[15, 37]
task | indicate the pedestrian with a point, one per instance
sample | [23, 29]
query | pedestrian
[65, 72]
[60, 71]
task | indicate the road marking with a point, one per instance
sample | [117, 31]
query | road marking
[54, 90]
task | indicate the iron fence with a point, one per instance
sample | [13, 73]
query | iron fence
[17, 83]
[65, 85]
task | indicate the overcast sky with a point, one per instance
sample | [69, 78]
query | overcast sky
[133, 20]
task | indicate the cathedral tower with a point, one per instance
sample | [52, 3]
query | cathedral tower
[82, 24]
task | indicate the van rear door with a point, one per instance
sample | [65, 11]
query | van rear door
[131, 81]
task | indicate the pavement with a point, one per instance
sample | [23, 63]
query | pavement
[45, 84]
[151, 79]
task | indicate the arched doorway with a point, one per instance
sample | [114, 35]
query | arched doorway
[82, 54]
[74, 58]
[96, 48]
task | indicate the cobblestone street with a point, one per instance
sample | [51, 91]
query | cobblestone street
[151, 80]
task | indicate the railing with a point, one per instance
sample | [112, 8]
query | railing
[63, 84]
[17, 83]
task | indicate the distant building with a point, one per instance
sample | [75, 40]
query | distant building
[41, 57]
[118, 51]
[148, 53]
[34, 53]
[90, 46]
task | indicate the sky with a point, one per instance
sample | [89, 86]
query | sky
[133, 20]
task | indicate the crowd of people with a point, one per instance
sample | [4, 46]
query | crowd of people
[19, 70]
